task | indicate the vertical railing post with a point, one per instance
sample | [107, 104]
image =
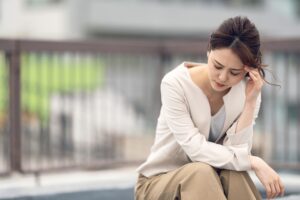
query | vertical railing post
[165, 59]
[13, 58]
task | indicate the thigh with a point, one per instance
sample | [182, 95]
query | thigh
[237, 184]
[192, 181]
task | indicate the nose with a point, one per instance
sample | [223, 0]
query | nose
[223, 76]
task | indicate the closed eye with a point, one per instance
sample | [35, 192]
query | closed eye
[235, 74]
[218, 67]
[232, 73]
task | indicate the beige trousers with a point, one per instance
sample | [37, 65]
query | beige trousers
[197, 181]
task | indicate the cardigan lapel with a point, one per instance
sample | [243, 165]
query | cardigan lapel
[234, 102]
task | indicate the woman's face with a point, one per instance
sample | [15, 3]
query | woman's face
[225, 69]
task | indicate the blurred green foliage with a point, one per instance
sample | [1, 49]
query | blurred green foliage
[43, 75]
[3, 87]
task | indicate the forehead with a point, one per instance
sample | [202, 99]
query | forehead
[227, 58]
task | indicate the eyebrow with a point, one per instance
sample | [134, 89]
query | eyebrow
[230, 68]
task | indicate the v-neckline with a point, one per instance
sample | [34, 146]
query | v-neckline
[207, 101]
[199, 88]
[218, 112]
[235, 97]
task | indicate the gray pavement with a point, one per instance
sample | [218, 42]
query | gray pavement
[105, 184]
[112, 194]
[113, 184]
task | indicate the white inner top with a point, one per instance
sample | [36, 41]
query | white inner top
[217, 123]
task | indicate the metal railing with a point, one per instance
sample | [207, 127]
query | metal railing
[92, 104]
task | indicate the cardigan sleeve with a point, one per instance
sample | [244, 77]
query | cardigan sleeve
[245, 135]
[194, 143]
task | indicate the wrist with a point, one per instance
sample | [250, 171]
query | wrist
[254, 162]
[250, 104]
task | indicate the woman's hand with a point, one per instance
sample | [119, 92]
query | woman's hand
[268, 177]
[254, 84]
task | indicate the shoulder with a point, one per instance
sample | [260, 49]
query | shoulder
[175, 76]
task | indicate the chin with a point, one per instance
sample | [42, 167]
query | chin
[218, 88]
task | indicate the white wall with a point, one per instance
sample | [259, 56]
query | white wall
[19, 20]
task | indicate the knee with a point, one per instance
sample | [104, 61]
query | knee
[199, 168]
[233, 174]
[201, 175]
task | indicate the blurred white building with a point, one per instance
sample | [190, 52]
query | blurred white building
[80, 19]
[34, 19]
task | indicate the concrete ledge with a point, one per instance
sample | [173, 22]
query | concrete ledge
[105, 185]
[66, 183]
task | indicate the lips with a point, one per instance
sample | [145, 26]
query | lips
[219, 84]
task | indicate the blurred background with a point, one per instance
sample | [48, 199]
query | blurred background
[79, 87]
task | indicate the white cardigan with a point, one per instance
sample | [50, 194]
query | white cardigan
[183, 128]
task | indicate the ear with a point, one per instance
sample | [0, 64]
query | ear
[207, 53]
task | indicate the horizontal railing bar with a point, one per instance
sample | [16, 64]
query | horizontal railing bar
[120, 45]
[286, 45]
[286, 165]
[135, 45]
[132, 46]
[7, 44]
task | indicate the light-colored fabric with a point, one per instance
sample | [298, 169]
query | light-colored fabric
[197, 181]
[216, 125]
[183, 128]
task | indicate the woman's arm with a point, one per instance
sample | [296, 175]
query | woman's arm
[197, 148]
[246, 117]
[267, 176]
[253, 89]
[241, 132]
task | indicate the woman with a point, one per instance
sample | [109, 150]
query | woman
[205, 127]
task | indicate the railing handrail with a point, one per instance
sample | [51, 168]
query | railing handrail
[107, 45]
[135, 45]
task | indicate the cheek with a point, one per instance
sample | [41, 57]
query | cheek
[212, 71]
[236, 80]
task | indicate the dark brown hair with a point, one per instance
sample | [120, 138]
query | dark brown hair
[241, 36]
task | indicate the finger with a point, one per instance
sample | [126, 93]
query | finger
[254, 78]
[257, 79]
[256, 74]
[268, 191]
[282, 189]
[273, 193]
[254, 70]
[248, 69]
[277, 187]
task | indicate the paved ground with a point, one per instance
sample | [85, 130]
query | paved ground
[114, 184]
[120, 194]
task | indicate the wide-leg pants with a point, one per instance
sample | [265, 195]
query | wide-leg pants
[197, 181]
